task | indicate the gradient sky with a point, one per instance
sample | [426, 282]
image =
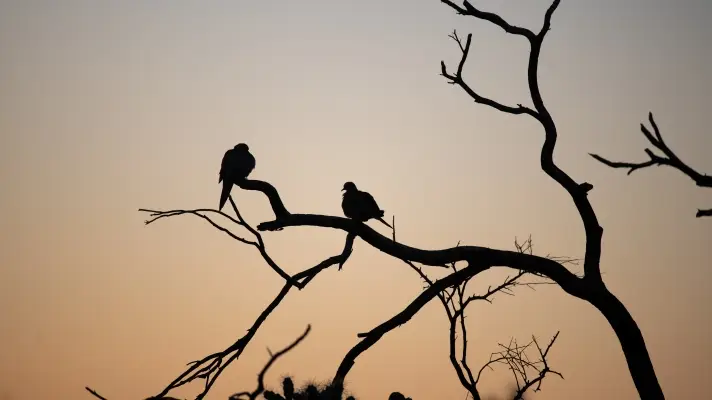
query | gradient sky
[107, 107]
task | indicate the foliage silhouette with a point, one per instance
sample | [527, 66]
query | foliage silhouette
[449, 289]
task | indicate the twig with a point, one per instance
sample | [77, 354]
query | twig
[669, 158]
[273, 358]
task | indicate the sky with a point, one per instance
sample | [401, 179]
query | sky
[108, 107]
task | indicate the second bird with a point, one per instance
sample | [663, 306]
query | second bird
[237, 163]
[360, 206]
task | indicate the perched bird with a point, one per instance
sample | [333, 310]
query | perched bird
[237, 163]
[359, 205]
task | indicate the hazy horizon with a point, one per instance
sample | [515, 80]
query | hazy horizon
[108, 107]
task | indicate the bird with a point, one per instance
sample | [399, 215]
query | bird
[360, 206]
[237, 163]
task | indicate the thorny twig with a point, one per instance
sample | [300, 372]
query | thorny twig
[527, 373]
[669, 158]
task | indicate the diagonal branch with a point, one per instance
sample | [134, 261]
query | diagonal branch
[434, 289]
[212, 366]
[456, 301]
[273, 358]
[668, 158]
[469, 9]
[457, 79]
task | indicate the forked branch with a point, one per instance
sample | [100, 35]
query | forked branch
[455, 300]
[528, 372]
[457, 79]
[594, 290]
[261, 377]
[209, 368]
[668, 158]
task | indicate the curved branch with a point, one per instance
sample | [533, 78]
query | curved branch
[372, 337]
[480, 257]
[275, 201]
[632, 343]
[457, 79]
[578, 192]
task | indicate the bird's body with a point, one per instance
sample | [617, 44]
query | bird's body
[237, 163]
[360, 206]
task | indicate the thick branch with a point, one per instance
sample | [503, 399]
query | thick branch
[636, 352]
[275, 201]
[372, 337]
[578, 192]
[669, 158]
[479, 257]
[704, 213]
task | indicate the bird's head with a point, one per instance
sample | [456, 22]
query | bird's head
[349, 186]
[242, 147]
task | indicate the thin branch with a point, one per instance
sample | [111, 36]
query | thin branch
[94, 393]
[273, 358]
[457, 79]
[668, 158]
[211, 367]
[455, 304]
[469, 9]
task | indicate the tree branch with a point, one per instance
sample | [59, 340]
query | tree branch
[627, 331]
[457, 79]
[469, 9]
[479, 257]
[211, 367]
[273, 358]
[578, 192]
[455, 301]
[669, 158]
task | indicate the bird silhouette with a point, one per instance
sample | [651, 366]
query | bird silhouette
[237, 163]
[360, 206]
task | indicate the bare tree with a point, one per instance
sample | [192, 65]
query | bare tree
[588, 287]
[669, 158]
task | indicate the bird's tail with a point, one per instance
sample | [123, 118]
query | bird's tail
[225, 193]
[382, 220]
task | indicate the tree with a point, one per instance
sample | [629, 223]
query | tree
[588, 287]
[669, 158]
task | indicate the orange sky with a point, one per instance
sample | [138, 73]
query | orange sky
[110, 107]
